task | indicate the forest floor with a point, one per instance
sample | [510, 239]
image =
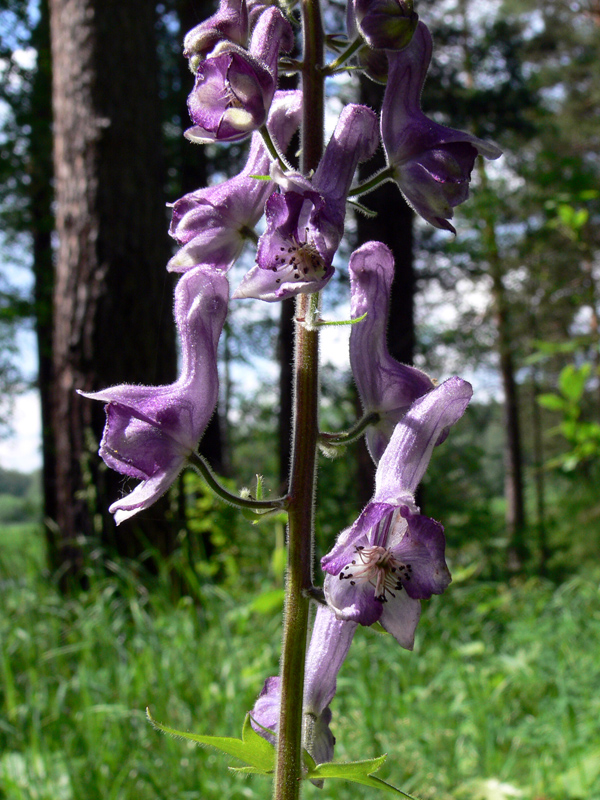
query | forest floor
[500, 698]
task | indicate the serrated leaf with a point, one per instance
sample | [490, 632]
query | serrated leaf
[356, 772]
[252, 749]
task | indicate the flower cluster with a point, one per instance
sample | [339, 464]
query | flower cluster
[393, 556]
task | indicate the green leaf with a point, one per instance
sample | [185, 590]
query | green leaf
[268, 602]
[552, 402]
[572, 380]
[252, 749]
[322, 323]
[357, 772]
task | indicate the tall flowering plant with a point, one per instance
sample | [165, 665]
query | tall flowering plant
[393, 556]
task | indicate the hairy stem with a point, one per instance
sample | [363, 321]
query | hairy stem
[299, 582]
[200, 464]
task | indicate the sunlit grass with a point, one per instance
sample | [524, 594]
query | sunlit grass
[499, 699]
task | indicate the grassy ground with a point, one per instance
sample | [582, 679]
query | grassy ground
[499, 699]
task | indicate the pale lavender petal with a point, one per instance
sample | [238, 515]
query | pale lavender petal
[400, 617]
[359, 533]
[355, 139]
[352, 603]
[271, 286]
[144, 494]
[405, 460]
[266, 709]
[230, 98]
[422, 547]
[229, 22]
[213, 223]
[329, 644]
[306, 221]
[234, 87]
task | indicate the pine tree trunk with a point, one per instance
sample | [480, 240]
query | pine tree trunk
[112, 298]
[42, 224]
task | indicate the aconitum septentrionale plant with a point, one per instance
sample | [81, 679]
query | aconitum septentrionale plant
[381, 567]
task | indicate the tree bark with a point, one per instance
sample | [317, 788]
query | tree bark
[112, 298]
[40, 196]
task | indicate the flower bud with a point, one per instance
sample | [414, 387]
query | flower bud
[386, 24]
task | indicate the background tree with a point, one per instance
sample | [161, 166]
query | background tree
[112, 248]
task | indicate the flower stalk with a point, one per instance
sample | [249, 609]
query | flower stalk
[302, 487]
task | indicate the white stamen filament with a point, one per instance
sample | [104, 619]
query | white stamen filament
[379, 567]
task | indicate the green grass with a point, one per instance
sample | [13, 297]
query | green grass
[499, 699]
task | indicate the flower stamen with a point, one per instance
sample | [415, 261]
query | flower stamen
[379, 567]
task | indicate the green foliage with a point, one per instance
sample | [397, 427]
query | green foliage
[582, 436]
[257, 754]
[500, 693]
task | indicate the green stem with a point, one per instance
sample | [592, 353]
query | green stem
[200, 464]
[333, 66]
[272, 148]
[288, 768]
[386, 174]
[355, 432]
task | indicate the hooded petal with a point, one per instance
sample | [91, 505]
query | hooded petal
[406, 457]
[384, 385]
[234, 87]
[306, 221]
[229, 22]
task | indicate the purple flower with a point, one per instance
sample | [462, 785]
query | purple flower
[234, 87]
[329, 645]
[385, 386]
[432, 164]
[213, 223]
[392, 557]
[305, 221]
[151, 430]
[230, 22]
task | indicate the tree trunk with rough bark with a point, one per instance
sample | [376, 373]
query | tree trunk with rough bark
[113, 297]
[40, 197]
